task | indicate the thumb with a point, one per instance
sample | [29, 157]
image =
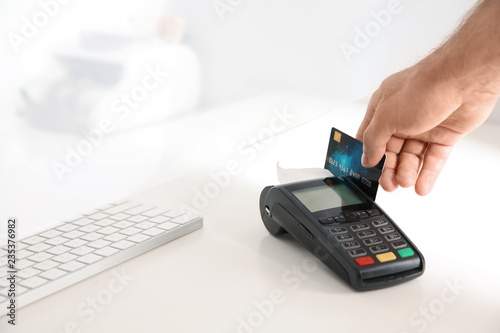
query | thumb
[375, 139]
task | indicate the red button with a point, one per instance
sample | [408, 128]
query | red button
[364, 261]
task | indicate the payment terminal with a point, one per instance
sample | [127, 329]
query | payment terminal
[345, 229]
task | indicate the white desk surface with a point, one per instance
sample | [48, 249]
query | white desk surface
[224, 277]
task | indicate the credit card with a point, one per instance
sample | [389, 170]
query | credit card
[343, 158]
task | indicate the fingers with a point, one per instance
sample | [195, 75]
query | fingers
[388, 178]
[410, 161]
[370, 111]
[434, 161]
[375, 141]
[374, 132]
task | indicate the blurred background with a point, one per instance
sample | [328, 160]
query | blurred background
[98, 92]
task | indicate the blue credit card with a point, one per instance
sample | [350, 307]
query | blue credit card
[343, 158]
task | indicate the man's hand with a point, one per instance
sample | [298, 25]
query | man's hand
[418, 115]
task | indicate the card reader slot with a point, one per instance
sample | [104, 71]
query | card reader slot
[392, 279]
[395, 267]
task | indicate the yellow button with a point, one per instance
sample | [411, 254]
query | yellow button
[388, 256]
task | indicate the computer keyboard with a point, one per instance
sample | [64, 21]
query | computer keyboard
[88, 244]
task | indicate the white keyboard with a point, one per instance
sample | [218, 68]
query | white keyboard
[88, 244]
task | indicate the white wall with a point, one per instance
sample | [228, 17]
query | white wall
[296, 45]
[248, 47]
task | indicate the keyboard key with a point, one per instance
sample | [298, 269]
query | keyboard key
[351, 216]
[23, 254]
[83, 221]
[138, 209]
[159, 219]
[168, 225]
[145, 225]
[155, 212]
[130, 231]
[139, 238]
[366, 234]
[51, 233]
[362, 214]
[53, 274]
[115, 237]
[327, 220]
[372, 212]
[120, 217]
[364, 261]
[89, 259]
[56, 241]
[408, 252]
[98, 216]
[39, 247]
[21, 290]
[81, 251]
[137, 218]
[33, 282]
[46, 265]
[105, 222]
[379, 223]
[89, 228]
[337, 231]
[74, 243]
[19, 246]
[344, 237]
[73, 234]
[27, 273]
[39, 257]
[98, 244]
[379, 248]
[57, 250]
[357, 253]
[108, 230]
[185, 218]
[359, 227]
[72, 266]
[384, 257]
[123, 224]
[64, 258]
[22, 264]
[393, 237]
[399, 244]
[340, 219]
[33, 240]
[350, 245]
[106, 251]
[386, 230]
[122, 245]
[92, 236]
[372, 241]
[174, 213]
[67, 227]
[153, 232]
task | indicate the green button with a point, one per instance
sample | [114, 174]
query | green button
[406, 252]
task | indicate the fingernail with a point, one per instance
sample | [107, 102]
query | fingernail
[363, 159]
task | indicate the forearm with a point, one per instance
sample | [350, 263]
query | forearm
[470, 59]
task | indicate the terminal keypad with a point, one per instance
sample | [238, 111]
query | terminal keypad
[368, 237]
